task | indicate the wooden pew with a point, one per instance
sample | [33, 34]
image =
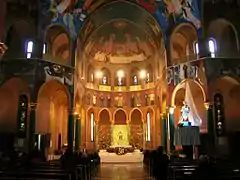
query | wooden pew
[36, 175]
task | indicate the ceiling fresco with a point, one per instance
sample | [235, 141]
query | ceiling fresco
[120, 42]
[72, 14]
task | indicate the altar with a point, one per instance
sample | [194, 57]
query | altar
[135, 157]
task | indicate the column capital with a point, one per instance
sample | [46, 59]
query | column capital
[33, 105]
[207, 105]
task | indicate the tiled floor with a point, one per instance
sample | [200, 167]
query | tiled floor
[132, 171]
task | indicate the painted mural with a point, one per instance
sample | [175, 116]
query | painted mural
[73, 13]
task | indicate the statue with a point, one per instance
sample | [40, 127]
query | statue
[185, 114]
[120, 136]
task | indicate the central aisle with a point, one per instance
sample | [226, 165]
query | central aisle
[131, 171]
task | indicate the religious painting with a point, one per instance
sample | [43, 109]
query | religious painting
[72, 13]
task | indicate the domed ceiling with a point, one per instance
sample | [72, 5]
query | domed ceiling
[119, 42]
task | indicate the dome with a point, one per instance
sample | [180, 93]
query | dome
[119, 42]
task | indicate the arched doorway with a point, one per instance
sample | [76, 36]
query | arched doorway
[10, 93]
[136, 128]
[104, 129]
[194, 95]
[52, 113]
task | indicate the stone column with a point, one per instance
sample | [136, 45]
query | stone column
[32, 122]
[210, 122]
[171, 128]
[70, 133]
[164, 132]
[77, 133]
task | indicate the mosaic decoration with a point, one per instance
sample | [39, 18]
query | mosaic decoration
[72, 13]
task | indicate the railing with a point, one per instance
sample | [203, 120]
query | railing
[109, 88]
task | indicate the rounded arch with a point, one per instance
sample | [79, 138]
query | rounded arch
[151, 110]
[58, 44]
[52, 86]
[106, 76]
[90, 110]
[53, 102]
[182, 40]
[134, 76]
[150, 22]
[135, 109]
[149, 74]
[181, 85]
[10, 92]
[16, 36]
[192, 93]
[122, 117]
[104, 110]
[226, 36]
[229, 88]
[90, 74]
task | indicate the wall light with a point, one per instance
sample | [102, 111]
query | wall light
[120, 73]
[143, 74]
[99, 74]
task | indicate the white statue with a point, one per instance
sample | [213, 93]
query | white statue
[185, 113]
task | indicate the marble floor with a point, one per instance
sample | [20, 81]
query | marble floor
[130, 171]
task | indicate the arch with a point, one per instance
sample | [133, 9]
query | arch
[149, 74]
[180, 86]
[134, 114]
[122, 114]
[120, 80]
[229, 88]
[104, 128]
[151, 110]
[226, 36]
[151, 23]
[134, 76]
[47, 88]
[58, 44]
[10, 92]
[90, 75]
[108, 111]
[53, 103]
[193, 93]
[16, 35]
[182, 40]
[106, 76]
[137, 109]
[90, 110]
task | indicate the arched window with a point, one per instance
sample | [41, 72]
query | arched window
[92, 126]
[148, 129]
[105, 76]
[29, 49]
[134, 76]
[212, 47]
[196, 48]
[90, 76]
[44, 48]
[135, 80]
[120, 78]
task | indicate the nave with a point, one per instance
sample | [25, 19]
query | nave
[133, 171]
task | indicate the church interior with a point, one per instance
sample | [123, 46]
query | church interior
[129, 76]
